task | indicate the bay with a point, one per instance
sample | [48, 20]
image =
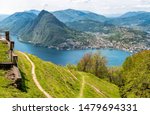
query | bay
[63, 57]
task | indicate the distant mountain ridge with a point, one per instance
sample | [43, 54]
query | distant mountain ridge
[90, 26]
[17, 21]
[131, 18]
[36, 12]
[71, 15]
[131, 14]
[70, 28]
[3, 16]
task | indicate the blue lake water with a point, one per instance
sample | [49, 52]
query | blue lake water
[62, 57]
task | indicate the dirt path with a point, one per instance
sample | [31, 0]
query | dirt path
[92, 86]
[72, 75]
[82, 87]
[35, 78]
[46, 94]
[96, 89]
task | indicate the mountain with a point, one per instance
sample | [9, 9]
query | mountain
[36, 12]
[71, 15]
[47, 30]
[130, 19]
[2, 17]
[111, 32]
[90, 26]
[145, 23]
[131, 14]
[17, 21]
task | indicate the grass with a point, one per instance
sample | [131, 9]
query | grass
[29, 90]
[4, 57]
[89, 92]
[58, 81]
[6, 89]
[107, 89]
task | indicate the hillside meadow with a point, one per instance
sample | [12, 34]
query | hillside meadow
[58, 81]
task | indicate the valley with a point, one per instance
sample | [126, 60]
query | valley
[63, 57]
[55, 46]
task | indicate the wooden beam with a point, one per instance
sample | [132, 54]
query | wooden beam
[12, 45]
[7, 35]
[6, 65]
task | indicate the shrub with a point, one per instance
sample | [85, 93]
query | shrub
[93, 63]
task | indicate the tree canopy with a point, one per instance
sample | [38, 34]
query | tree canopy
[136, 75]
[93, 63]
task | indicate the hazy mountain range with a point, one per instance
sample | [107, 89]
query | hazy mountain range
[71, 15]
[73, 28]
[131, 19]
[2, 17]
[17, 21]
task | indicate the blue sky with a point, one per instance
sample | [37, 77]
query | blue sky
[105, 7]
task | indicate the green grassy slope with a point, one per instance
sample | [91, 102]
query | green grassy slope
[59, 82]
[3, 52]
[105, 88]
[62, 82]
[29, 89]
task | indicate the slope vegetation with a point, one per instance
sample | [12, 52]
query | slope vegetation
[35, 78]
[61, 82]
[56, 81]
[136, 73]
[4, 52]
[29, 89]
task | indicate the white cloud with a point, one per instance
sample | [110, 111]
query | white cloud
[81, 1]
[98, 6]
[143, 6]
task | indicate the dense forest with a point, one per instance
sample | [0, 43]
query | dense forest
[136, 75]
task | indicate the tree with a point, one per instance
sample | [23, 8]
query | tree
[136, 75]
[115, 75]
[84, 63]
[93, 63]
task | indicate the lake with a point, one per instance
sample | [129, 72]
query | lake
[62, 57]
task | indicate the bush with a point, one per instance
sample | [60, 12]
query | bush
[115, 75]
[71, 67]
[93, 63]
[136, 75]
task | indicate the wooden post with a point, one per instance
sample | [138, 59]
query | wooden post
[7, 35]
[12, 45]
[11, 55]
[15, 59]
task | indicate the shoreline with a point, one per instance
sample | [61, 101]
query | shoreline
[48, 54]
[117, 46]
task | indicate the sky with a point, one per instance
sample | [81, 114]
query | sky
[105, 7]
